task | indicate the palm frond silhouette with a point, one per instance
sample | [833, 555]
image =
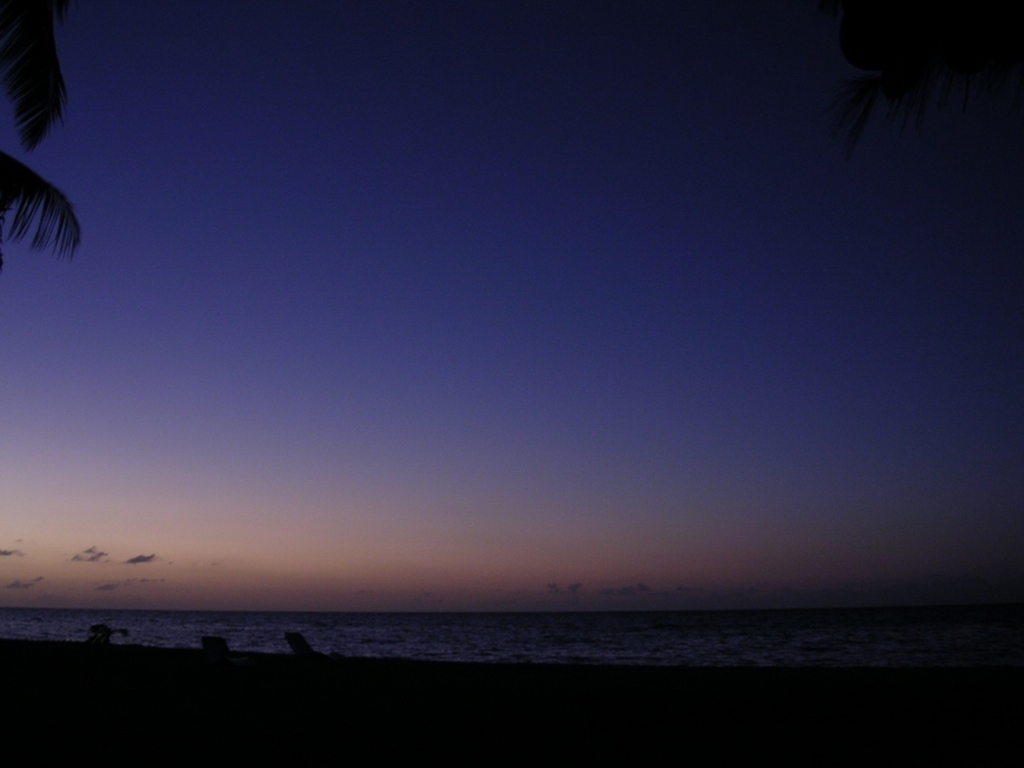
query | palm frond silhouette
[32, 80]
[922, 53]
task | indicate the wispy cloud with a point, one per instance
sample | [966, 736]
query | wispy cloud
[11, 553]
[24, 584]
[90, 555]
[112, 585]
[554, 588]
[559, 593]
[141, 559]
[627, 591]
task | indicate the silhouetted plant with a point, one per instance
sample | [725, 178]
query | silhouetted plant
[921, 52]
[99, 634]
[32, 80]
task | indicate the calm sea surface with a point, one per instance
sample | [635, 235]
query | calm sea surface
[888, 637]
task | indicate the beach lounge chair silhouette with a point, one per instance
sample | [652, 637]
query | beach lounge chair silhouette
[300, 647]
[217, 651]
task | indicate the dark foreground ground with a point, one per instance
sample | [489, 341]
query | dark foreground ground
[119, 704]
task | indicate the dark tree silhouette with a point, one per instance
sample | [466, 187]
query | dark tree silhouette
[32, 80]
[920, 52]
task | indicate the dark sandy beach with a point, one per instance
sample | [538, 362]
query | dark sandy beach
[134, 703]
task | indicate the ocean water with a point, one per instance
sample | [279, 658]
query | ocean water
[852, 637]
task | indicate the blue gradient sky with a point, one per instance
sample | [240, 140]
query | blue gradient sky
[485, 305]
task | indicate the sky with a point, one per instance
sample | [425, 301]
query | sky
[507, 306]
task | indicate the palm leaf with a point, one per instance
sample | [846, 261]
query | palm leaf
[852, 108]
[30, 67]
[966, 47]
[34, 199]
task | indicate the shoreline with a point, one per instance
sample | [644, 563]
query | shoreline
[310, 707]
